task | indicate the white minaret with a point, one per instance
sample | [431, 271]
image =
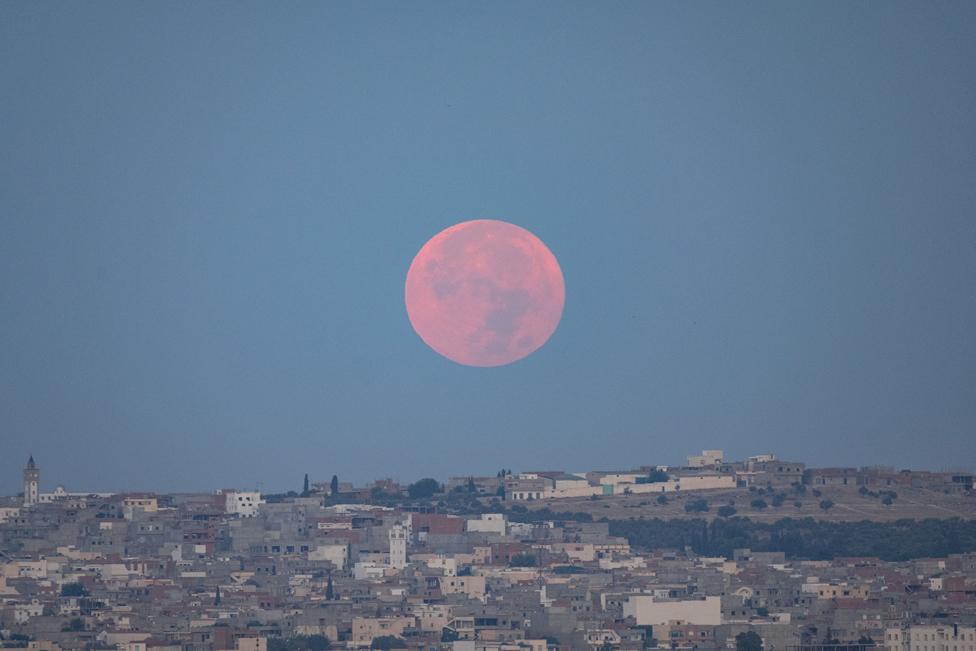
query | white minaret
[398, 547]
[32, 476]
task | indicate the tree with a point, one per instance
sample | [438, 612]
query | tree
[387, 642]
[726, 511]
[334, 485]
[299, 643]
[448, 635]
[759, 504]
[423, 489]
[662, 499]
[73, 590]
[523, 560]
[317, 643]
[471, 487]
[305, 486]
[217, 597]
[76, 624]
[748, 641]
[826, 505]
[654, 477]
[329, 589]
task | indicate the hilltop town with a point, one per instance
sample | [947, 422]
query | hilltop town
[752, 555]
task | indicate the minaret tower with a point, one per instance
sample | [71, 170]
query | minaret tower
[398, 547]
[32, 476]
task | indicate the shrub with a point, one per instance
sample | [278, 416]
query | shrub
[696, 506]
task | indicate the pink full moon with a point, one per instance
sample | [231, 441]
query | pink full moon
[485, 293]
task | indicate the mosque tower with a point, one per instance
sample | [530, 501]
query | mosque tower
[32, 476]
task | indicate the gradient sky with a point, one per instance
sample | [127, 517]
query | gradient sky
[765, 214]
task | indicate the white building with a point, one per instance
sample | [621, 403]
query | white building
[488, 523]
[242, 503]
[33, 496]
[368, 570]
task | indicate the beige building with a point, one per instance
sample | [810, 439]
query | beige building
[651, 611]
[837, 590]
[364, 629]
[706, 459]
[472, 586]
[931, 638]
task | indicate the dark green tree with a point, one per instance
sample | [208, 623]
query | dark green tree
[448, 635]
[334, 485]
[423, 489]
[387, 642]
[299, 643]
[217, 597]
[748, 641]
[329, 589]
[523, 560]
[305, 486]
[73, 590]
[696, 506]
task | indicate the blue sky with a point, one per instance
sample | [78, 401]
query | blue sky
[764, 213]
